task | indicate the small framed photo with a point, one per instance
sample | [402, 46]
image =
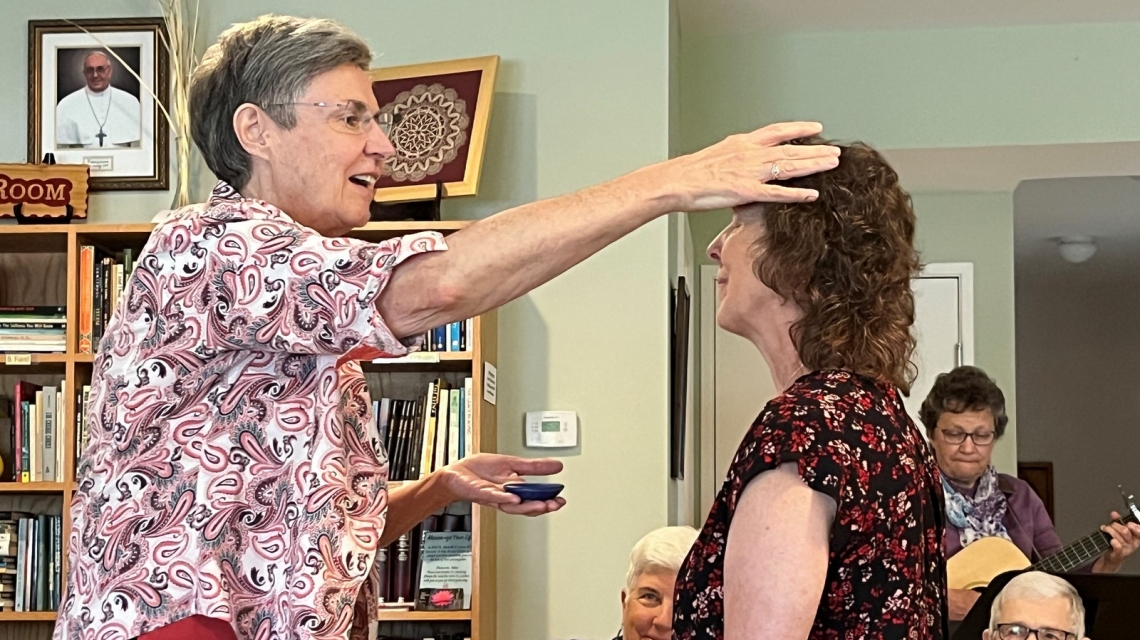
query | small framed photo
[92, 89]
[436, 115]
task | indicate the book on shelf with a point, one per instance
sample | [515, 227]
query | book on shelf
[31, 556]
[102, 278]
[38, 329]
[425, 433]
[451, 338]
[31, 424]
[433, 557]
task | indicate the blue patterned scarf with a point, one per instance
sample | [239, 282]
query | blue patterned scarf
[980, 516]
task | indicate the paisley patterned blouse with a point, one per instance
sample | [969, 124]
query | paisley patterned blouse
[853, 441]
[233, 468]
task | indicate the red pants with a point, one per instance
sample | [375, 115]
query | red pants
[193, 628]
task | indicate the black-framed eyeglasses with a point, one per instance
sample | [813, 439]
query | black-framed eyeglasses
[1022, 632]
[980, 438]
[353, 117]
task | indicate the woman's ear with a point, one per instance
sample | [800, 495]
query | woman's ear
[623, 598]
[986, 635]
[251, 126]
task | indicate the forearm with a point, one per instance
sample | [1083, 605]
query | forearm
[410, 503]
[503, 257]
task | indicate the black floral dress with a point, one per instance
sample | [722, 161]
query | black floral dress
[854, 442]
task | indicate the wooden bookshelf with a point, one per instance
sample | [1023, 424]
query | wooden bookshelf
[423, 616]
[27, 616]
[39, 265]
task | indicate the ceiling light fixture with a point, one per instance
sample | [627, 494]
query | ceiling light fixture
[1076, 249]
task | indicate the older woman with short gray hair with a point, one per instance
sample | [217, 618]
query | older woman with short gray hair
[647, 599]
[234, 484]
[1036, 604]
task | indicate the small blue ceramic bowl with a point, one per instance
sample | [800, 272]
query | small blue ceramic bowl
[534, 490]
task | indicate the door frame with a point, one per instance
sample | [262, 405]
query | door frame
[708, 482]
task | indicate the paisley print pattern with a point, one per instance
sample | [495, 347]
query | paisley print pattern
[233, 468]
[853, 441]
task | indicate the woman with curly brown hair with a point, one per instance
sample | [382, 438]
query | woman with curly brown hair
[830, 522]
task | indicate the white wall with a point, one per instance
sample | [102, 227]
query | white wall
[1078, 363]
[582, 96]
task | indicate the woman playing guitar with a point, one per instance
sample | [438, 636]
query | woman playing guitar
[964, 415]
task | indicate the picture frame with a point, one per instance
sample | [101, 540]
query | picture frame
[86, 107]
[679, 378]
[436, 115]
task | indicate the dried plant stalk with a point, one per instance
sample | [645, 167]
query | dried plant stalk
[183, 60]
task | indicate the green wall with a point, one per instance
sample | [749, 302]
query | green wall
[921, 88]
[581, 97]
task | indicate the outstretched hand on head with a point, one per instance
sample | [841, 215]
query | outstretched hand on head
[739, 169]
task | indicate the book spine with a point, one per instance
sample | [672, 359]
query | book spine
[382, 572]
[36, 446]
[21, 564]
[468, 418]
[49, 439]
[45, 558]
[453, 337]
[86, 296]
[56, 578]
[25, 443]
[402, 569]
[83, 413]
[442, 430]
[427, 450]
[454, 427]
[97, 305]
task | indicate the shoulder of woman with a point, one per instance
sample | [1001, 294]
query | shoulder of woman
[1017, 490]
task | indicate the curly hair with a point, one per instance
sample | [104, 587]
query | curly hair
[847, 261]
[964, 389]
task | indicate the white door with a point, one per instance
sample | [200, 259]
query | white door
[943, 326]
[736, 383]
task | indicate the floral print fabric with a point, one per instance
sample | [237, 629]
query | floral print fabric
[853, 441]
[233, 468]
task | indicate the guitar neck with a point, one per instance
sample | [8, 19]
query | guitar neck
[1080, 552]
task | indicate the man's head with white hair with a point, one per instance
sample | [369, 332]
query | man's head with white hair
[1038, 605]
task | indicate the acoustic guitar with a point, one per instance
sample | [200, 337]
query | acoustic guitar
[976, 565]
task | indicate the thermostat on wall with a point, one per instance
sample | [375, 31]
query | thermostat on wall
[551, 429]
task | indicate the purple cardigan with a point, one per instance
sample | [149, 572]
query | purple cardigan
[1026, 522]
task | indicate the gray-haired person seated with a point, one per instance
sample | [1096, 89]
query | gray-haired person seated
[647, 599]
[1038, 605]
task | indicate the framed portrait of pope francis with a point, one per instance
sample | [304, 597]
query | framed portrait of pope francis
[94, 89]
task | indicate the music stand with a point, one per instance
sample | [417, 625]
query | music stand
[1110, 605]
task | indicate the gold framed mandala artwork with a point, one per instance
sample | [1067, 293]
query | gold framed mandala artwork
[436, 115]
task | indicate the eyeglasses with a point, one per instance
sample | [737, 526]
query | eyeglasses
[353, 118]
[1021, 632]
[101, 69]
[980, 438]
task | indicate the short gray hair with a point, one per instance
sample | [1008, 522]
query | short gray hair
[1036, 585]
[268, 61]
[662, 549]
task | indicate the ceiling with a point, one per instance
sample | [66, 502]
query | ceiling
[1004, 168]
[748, 16]
[1106, 208]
